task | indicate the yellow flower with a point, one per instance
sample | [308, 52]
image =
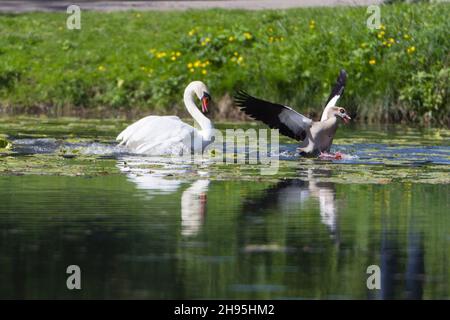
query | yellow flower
[281, 39]
[173, 58]
[207, 62]
[411, 50]
[363, 45]
[236, 54]
[101, 68]
[382, 27]
[197, 63]
[178, 53]
[248, 35]
[391, 40]
[191, 70]
[138, 15]
[160, 55]
[206, 41]
[372, 61]
[240, 59]
[406, 37]
[231, 39]
[191, 33]
[312, 24]
[381, 34]
[270, 39]
[204, 71]
[384, 43]
[189, 65]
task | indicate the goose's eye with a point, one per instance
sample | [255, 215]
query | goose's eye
[342, 111]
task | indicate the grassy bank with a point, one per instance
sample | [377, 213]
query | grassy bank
[140, 62]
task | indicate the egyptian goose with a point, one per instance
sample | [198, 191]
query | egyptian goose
[316, 136]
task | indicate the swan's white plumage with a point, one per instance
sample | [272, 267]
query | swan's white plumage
[159, 135]
[168, 135]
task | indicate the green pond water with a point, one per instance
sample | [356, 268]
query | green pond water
[154, 228]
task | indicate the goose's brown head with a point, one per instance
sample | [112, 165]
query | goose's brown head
[340, 112]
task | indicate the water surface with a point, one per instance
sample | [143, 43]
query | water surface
[151, 228]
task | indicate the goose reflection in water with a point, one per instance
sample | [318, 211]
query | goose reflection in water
[157, 182]
[288, 194]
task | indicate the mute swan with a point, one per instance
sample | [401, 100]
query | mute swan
[163, 135]
[316, 136]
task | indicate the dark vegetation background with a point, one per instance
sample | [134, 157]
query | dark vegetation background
[134, 63]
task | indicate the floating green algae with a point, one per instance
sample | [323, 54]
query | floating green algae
[391, 154]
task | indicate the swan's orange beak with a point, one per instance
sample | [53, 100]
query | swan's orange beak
[205, 103]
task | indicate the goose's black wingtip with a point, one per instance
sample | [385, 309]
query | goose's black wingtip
[241, 94]
[240, 97]
[342, 75]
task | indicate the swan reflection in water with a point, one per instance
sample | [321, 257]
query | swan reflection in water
[193, 207]
[157, 182]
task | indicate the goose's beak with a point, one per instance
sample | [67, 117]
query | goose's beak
[346, 118]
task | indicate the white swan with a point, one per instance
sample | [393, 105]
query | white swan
[168, 135]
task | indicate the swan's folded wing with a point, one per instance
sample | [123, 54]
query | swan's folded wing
[155, 133]
[336, 93]
[141, 126]
[276, 116]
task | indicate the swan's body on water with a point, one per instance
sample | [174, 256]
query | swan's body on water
[168, 135]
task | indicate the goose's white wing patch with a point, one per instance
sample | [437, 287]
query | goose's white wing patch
[335, 94]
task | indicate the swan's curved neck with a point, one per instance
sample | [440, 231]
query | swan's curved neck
[204, 122]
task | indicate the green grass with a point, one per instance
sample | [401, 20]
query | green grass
[135, 63]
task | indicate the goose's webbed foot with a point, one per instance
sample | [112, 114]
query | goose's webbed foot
[330, 156]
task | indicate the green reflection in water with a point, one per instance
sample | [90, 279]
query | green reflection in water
[147, 229]
[222, 239]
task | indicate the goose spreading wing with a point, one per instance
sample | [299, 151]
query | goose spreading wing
[287, 120]
[276, 116]
[336, 93]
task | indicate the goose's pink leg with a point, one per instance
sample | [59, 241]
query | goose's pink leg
[330, 156]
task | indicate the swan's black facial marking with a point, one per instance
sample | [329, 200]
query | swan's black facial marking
[206, 95]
